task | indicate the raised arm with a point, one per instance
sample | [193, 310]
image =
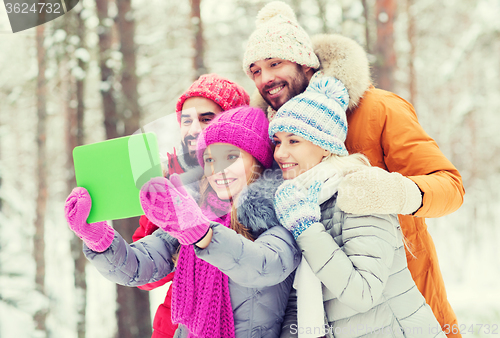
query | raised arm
[421, 181]
[145, 261]
[409, 150]
[267, 261]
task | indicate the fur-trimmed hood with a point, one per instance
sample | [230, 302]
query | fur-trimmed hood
[255, 205]
[345, 59]
[340, 57]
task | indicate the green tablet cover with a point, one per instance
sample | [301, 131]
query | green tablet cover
[113, 172]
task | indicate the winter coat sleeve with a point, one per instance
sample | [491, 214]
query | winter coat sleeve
[357, 272]
[145, 261]
[409, 150]
[265, 262]
[146, 227]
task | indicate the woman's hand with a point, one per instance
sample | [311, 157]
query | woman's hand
[167, 204]
[98, 236]
[296, 209]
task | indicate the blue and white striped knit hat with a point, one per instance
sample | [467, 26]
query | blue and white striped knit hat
[317, 115]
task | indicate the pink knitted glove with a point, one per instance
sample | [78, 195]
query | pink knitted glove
[98, 236]
[167, 204]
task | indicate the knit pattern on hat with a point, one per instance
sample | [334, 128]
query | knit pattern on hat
[200, 298]
[244, 127]
[223, 92]
[317, 115]
[278, 35]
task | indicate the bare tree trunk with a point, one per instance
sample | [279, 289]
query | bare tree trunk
[74, 138]
[107, 75]
[322, 15]
[384, 49]
[199, 42]
[296, 8]
[366, 14]
[129, 81]
[412, 83]
[133, 313]
[41, 201]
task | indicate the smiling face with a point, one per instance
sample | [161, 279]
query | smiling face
[228, 169]
[279, 80]
[197, 113]
[296, 155]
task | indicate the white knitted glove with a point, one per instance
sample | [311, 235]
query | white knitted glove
[375, 191]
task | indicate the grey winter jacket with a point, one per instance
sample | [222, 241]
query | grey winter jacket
[260, 272]
[367, 287]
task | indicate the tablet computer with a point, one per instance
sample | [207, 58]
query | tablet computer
[113, 172]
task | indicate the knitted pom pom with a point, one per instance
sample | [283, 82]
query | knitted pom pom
[273, 9]
[331, 88]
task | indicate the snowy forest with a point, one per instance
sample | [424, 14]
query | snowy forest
[108, 67]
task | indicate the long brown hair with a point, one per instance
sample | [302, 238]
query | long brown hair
[205, 188]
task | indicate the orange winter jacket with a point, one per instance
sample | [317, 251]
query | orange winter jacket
[385, 128]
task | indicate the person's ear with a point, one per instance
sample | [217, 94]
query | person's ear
[308, 71]
[306, 68]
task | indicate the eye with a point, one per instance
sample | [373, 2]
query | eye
[206, 120]
[187, 122]
[255, 71]
[294, 141]
[274, 64]
[209, 160]
[276, 142]
[232, 157]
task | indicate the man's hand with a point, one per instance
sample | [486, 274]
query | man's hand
[375, 191]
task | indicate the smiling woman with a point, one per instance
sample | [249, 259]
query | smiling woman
[296, 155]
[228, 169]
[234, 269]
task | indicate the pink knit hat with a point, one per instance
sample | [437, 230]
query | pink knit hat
[244, 127]
[225, 93]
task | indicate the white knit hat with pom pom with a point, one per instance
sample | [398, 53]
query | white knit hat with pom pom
[278, 35]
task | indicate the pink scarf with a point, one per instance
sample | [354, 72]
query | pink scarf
[200, 297]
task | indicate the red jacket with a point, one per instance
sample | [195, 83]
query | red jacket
[162, 323]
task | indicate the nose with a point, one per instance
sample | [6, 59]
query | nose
[280, 152]
[267, 76]
[195, 128]
[220, 167]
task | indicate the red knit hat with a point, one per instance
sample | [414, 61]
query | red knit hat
[225, 93]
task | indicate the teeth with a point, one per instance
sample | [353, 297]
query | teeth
[192, 143]
[275, 90]
[220, 182]
[288, 165]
